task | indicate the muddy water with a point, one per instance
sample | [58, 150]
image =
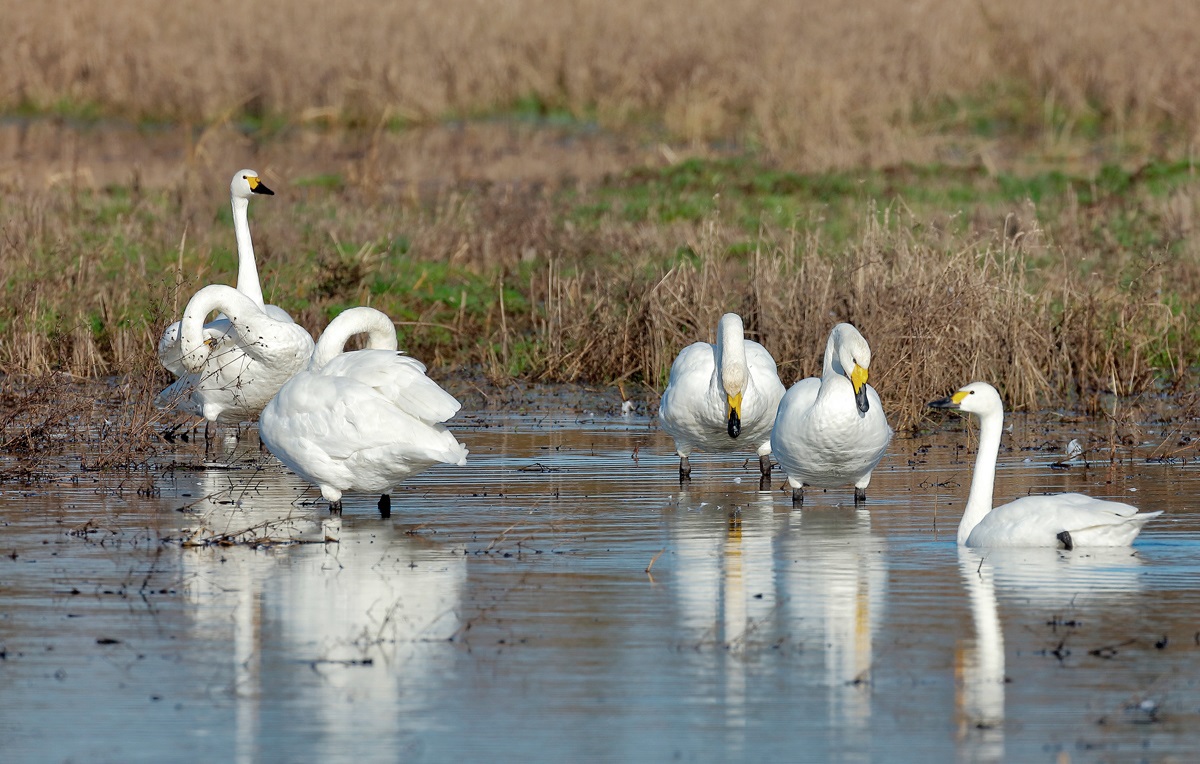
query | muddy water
[561, 597]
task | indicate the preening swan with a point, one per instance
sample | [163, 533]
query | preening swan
[722, 397]
[245, 183]
[831, 431]
[234, 366]
[1068, 520]
[363, 420]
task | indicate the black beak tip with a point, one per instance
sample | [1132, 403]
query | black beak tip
[860, 398]
[735, 425]
[261, 188]
[941, 403]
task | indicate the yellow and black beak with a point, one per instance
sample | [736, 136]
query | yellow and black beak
[734, 417]
[949, 403]
[257, 186]
[858, 378]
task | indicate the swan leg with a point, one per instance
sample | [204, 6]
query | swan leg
[210, 436]
[860, 496]
[685, 469]
[335, 507]
[1065, 539]
[797, 496]
[385, 506]
[764, 468]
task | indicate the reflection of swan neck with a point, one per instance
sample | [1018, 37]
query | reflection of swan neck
[380, 331]
[979, 501]
[731, 354]
[247, 278]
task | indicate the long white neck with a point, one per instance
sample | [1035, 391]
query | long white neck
[380, 331]
[827, 367]
[247, 278]
[979, 500]
[244, 313]
[731, 354]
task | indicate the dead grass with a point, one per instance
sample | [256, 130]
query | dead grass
[825, 84]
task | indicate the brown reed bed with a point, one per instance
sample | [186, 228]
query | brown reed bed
[819, 85]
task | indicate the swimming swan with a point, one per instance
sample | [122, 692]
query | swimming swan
[1068, 520]
[722, 397]
[363, 420]
[234, 366]
[245, 183]
[831, 430]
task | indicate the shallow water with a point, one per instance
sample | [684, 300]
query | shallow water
[562, 597]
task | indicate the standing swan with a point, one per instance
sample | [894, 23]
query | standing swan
[831, 430]
[360, 421]
[722, 397]
[245, 183]
[234, 366]
[1063, 519]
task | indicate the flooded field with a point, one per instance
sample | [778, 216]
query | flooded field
[562, 597]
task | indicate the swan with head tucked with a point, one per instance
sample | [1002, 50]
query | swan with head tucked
[830, 430]
[363, 420]
[1066, 520]
[234, 366]
[245, 183]
[722, 397]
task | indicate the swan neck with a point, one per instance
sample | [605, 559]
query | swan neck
[731, 357]
[247, 278]
[380, 331]
[979, 500]
[831, 348]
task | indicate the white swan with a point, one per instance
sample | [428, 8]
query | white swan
[722, 397]
[831, 431]
[1066, 519]
[244, 184]
[234, 366]
[360, 421]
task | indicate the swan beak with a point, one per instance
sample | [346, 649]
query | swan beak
[258, 187]
[949, 403]
[735, 415]
[858, 378]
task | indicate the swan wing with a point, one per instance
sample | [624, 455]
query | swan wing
[1038, 521]
[399, 379]
[691, 405]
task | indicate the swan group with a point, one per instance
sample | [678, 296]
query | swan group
[722, 397]
[364, 420]
[227, 369]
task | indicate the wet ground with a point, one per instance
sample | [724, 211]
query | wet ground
[562, 598]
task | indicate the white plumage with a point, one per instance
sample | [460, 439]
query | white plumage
[831, 431]
[244, 184]
[363, 420]
[1058, 520]
[722, 397]
[233, 366]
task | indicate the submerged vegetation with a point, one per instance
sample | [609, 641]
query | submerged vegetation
[983, 199]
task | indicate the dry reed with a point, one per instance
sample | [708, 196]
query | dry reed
[827, 84]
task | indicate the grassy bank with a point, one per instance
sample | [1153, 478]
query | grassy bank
[1062, 289]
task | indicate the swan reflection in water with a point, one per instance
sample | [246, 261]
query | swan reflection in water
[754, 578]
[1034, 579]
[358, 627]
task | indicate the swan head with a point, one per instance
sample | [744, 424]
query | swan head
[978, 398]
[852, 359]
[731, 365]
[246, 183]
[195, 357]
